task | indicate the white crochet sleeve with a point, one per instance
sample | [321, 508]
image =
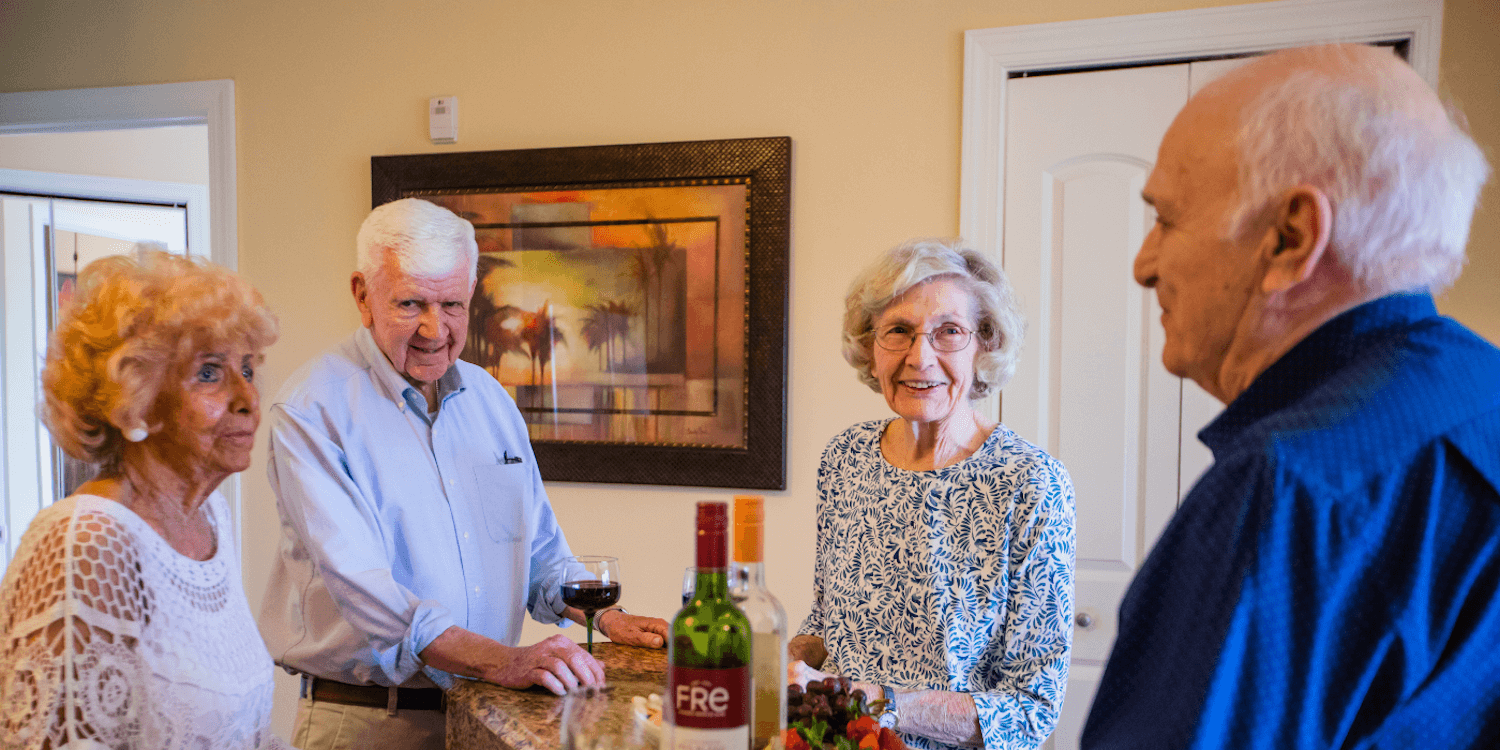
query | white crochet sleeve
[72, 609]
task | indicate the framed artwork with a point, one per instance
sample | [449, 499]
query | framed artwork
[631, 298]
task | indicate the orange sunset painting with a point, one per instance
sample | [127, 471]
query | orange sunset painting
[615, 314]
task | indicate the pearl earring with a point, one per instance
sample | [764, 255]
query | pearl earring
[135, 434]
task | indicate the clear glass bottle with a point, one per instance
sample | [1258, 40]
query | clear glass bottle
[768, 626]
[708, 658]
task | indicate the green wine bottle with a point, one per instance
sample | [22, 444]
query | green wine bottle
[708, 660]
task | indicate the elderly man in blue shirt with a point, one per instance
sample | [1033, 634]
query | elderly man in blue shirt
[1333, 580]
[416, 531]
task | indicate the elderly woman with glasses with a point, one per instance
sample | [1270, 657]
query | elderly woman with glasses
[944, 575]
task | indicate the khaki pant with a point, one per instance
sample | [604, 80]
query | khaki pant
[333, 726]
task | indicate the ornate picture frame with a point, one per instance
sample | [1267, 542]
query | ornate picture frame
[631, 298]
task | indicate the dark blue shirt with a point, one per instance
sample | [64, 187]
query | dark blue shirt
[1333, 580]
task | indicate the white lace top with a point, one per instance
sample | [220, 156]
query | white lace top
[111, 638]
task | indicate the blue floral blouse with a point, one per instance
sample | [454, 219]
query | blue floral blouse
[958, 579]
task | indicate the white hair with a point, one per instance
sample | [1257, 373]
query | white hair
[999, 329]
[419, 238]
[1402, 189]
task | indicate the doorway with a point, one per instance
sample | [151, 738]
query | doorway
[117, 121]
[44, 243]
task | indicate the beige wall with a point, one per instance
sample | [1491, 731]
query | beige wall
[1470, 64]
[869, 90]
[172, 154]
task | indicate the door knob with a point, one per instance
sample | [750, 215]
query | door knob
[1084, 620]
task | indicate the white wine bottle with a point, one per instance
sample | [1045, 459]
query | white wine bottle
[708, 659]
[768, 629]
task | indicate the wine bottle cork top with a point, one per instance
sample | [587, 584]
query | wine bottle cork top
[713, 517]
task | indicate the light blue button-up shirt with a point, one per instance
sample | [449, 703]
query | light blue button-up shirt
[397, 524]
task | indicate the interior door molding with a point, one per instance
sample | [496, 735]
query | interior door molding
[993, 56]
[209, 103]
[194, 197]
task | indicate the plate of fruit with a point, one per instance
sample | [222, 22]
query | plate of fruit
[829, 714]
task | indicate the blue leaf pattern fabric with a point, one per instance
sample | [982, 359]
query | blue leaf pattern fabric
[957, 579]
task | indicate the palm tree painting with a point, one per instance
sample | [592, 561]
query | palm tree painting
[657, 266]
[486, 341]
[540, 333]
[605, 323]
[508, 329]
[613, 314]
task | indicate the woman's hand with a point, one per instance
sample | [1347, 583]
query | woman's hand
[799, 674]
[808, 648]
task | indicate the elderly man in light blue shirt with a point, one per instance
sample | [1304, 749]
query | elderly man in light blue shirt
[415, 527]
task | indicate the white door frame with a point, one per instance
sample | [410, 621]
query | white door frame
[992, 56]
[194, 198]
[209, 103]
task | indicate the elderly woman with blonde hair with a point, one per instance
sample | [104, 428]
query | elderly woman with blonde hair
[943, 581]
[123, 622]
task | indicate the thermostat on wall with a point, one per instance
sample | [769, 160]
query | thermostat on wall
[442, 119]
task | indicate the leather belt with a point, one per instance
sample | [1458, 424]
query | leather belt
[374, 696]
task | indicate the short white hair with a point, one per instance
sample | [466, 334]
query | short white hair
[1402, 189]
[421, 238]
[999, 328]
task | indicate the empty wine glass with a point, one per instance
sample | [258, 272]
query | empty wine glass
[689, 584]
[602, 718]
[590, 583]
[738, 580]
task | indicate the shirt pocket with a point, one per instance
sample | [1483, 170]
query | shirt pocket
[504, 495]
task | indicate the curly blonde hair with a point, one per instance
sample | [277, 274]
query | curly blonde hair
[132, 321]
[1000, 326]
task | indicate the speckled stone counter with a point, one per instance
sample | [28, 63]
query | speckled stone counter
[482, 716]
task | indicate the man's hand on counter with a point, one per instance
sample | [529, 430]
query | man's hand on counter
[556, 663]
[632, 630]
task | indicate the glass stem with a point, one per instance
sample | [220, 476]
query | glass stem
[588, 627]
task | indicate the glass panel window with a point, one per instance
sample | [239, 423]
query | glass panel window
[44, 244]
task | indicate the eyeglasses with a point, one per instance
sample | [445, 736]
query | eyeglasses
[948, 338]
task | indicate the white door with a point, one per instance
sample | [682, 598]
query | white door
[44, 242]
[1090, 388]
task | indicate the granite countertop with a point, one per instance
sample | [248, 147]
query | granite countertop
[482, 716]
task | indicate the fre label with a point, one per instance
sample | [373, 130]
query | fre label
[710, 698]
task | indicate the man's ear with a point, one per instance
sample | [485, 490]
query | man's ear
[1299, 239]
[360, 288]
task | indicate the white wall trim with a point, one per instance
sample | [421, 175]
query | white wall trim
[195, 197]
[209, 103]
[992, 55]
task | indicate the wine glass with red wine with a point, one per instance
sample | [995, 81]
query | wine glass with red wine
[591, 583]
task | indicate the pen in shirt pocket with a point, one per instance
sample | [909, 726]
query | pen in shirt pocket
[509, 459]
